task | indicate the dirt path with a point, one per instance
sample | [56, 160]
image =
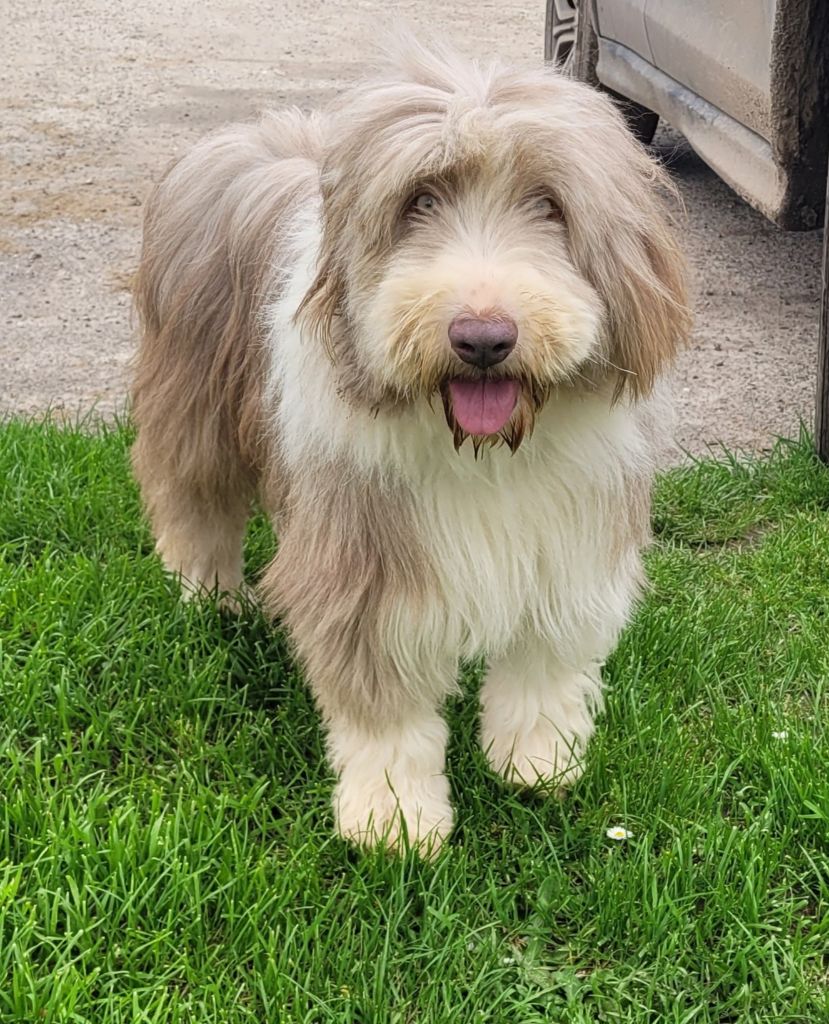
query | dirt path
[96, 97]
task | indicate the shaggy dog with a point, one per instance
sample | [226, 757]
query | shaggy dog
[423, 329]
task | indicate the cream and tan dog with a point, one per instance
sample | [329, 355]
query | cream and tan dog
[424, 329]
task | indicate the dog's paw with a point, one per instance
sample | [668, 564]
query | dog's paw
[539, 756]
[536, 723]
[416, 814]
[233, 601]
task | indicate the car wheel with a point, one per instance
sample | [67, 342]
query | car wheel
[571, 44]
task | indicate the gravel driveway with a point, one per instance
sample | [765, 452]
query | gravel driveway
[97, 97]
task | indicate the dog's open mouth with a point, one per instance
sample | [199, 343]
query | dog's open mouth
[483, 406]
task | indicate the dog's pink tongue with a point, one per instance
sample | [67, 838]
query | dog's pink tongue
[483, 406]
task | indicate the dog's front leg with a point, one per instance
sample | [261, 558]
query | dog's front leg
[354, 591]
[391, 784]
[537, 716]
[386, 737]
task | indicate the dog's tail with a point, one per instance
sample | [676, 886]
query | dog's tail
[210, 254]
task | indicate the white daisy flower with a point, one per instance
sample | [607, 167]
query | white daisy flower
[618, 833]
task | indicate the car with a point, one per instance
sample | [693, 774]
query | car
[745, 81]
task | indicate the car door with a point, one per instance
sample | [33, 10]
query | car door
[720, 50]
[623, 21]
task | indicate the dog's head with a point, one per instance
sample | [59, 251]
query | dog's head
[490, 235]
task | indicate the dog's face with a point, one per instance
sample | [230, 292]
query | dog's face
[489, 236]
[478, 298]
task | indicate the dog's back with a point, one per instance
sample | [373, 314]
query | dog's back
[210, 250]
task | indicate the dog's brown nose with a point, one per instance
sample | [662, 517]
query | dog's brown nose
[483, 341]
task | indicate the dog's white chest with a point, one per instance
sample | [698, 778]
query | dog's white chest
[526, 542]
[494, 546]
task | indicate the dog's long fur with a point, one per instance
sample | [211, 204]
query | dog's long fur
[295, 306]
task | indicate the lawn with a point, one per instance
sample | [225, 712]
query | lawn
[165, 832]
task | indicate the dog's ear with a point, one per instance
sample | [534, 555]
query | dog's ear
[624, 242]
[323, 301]
[644, 290]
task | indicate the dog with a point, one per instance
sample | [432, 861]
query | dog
[426, 330]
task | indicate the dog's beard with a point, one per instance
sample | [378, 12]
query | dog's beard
[422, 367]
[358, 385]
[531, 396]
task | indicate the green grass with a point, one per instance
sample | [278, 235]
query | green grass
[165, 832]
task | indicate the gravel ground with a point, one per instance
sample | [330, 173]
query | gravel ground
[97, 97]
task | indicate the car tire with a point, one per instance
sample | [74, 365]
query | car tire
[571, 44]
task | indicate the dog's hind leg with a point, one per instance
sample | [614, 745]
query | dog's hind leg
[198, 499]
[208, 263]
[197, 407]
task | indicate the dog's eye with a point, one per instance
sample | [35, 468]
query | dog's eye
[547, 208]
[424, 202]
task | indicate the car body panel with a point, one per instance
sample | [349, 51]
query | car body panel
[624, 22]
[741, 157]
[749, 89]
[723, 54]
